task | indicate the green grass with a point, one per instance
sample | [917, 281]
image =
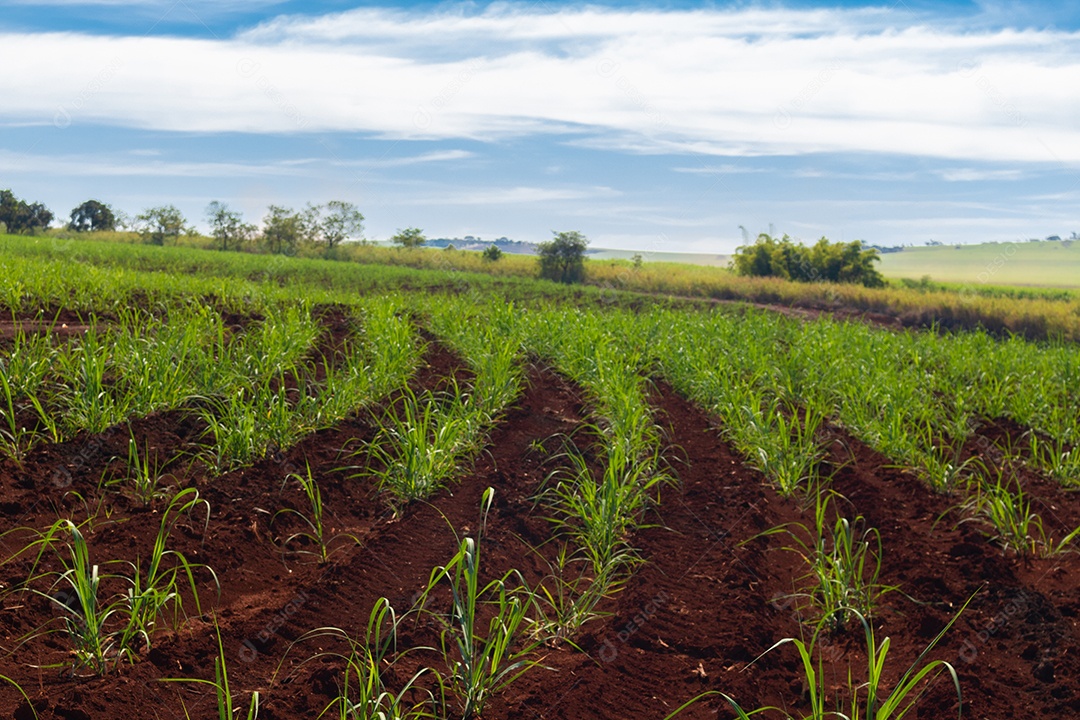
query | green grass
[780, 387]
[872, 699]
[86, 272]
[481, 634]
[225, 700]
[363, 691]
[421, 443]
[843, 560]
[312, 518]
[112, 617]
[1036, 264]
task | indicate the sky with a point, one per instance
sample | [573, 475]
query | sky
[647, 126]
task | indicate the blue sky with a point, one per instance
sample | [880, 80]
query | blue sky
[646, 126]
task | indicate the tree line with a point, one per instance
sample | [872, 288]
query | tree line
[286, 231]
[283, 231]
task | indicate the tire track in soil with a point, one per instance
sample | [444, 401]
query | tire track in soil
[695, 613]
[1015, 649]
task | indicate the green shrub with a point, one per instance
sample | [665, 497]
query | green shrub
[824, 262]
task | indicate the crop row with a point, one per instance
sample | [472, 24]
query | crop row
[773, 383]
[255, 390]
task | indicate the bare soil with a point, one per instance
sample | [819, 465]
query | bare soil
[710, 595]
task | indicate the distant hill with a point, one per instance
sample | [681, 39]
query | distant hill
[470, 242]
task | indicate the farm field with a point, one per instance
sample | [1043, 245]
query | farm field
[1045, 264]
[708, 259]
[1037, 313]
[392, 491]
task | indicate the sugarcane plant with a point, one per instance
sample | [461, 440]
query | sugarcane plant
[482, 658]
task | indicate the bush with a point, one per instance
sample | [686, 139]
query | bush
[492, 253]
[824, 262]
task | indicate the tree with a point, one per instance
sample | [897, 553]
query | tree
[492, 253]
[285, 230]
[409, 238]
[342, 221]
[92, 216]
[158, 225]
[227, 226]
[19, 216]
[563, 258]
[124, 221]
[824, 262]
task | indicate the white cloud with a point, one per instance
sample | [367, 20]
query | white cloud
[725, 169]
[975, 175]
[718, 82]
[434, 156]
[507, 22]
[514, 196]
[213, 6]
[92, 165]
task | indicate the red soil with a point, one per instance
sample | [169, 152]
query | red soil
[708, 598]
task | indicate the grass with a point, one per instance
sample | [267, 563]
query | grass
[225, 703]
[843, 559]
[490, 339]
[870, 699]
[111, 617]
[363, 693]
[757, 405]
[423, 439]
[482, 659]
[316, 533]
[86, 273]
[570, 595]
[420, 443]
[599, 514]
[779, 443]
[265, 396]
[778, 386]
[1046, 264]
[1005, 508]
[596, 512]
[144, 473]
[23, 371]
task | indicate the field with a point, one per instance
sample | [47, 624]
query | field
[1036, 313]
[240, 485]
[1046, 264]
[707, 259]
